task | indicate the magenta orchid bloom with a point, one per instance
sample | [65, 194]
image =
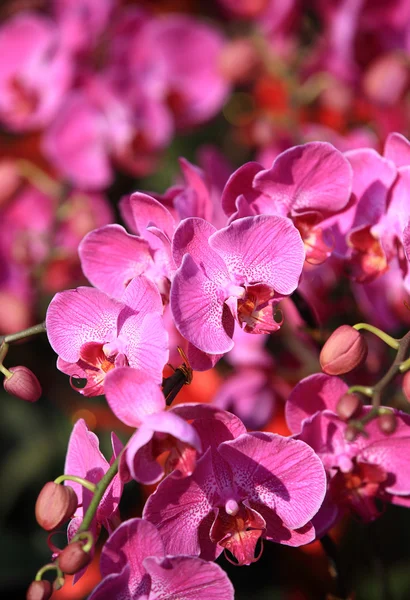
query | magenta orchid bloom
[237, 273]
[137, 400]
[134, 566]
[361, 473]
[258, 485]
[37, 73]
[308, 184]
[377, 221]
[93, 333]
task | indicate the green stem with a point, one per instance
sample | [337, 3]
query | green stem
[387, 339]
[48, 567]
[4, 348]
[5, 371]
[85, 535]
[87, 484]
[20, 335]
[405, 366]
[363, 389]
[100, 488]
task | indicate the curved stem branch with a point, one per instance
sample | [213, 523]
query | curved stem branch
[20, 335]
[87, 484]
[387, 339]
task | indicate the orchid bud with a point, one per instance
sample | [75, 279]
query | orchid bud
[345, 350]
[406, 385]
[387, 422]
[348, 405]
[39, 590]
[22, 383]
[55, 505]
[73, 558]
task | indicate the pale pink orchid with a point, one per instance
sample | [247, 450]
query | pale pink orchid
[93, 333]
[35, 71]
[237, 273]
[135, 566]
[361, 473]
[111, 257]
[308, 184]
[258, 485]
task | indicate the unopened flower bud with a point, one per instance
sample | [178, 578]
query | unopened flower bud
[23, 384]
[348, 405]
[55, 505]
[73, 558]
[387, 422]
[345, 350]
[406, 385]
[39, 590]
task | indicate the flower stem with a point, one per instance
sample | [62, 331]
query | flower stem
[362, 389]
[100, 488]
[87, 484]
[387, 339]
[48, 567]
[20, 335]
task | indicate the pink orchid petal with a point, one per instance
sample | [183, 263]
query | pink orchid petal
[314, 393]
[397, 149]
[110, 258]
[147, 211]
[191, 236]
[262, 249]
[141, 458]
[194, 200]
[283, 473]
[312, 177]
[187, 578]
[191, 412]
[199, 311]
[171, 423]
[132, 542]
[240, 184]
[142, 296]
[75, 317]
[146, 344]
[182, 510]
[85, 460]
[116, 585]
[392, 454]
[373, 176]
[132, 394]
[277, 532]
[201, 361]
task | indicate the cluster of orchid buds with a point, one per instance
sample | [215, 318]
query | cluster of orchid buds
[200, 278]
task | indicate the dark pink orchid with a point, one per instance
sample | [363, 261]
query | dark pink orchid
[308, 183]
[376, 222]
[134, 566]
[93, 333]
[138, 401]
[259, 485]
[237, 273]
[361, 473]
[36, 74]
